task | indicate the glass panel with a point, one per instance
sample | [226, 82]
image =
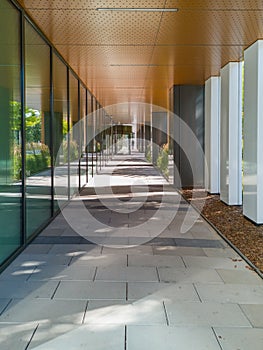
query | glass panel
[83, 160]
[37, 128]
[10, 131]
[74, 134]
[90, 135]
[60, 131]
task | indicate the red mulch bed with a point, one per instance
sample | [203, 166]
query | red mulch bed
[229, 220]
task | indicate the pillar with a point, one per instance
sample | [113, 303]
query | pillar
[253, 133]
[212, 134]
[188, 105]
[231, 134]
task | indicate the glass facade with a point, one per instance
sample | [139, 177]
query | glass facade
[60, 132]
[37, 130]
[10, 131]
[44, 133]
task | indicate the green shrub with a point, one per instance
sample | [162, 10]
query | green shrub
[17, 163]
[73, 151]
[148, 154]
[163, 160]
[37, 159]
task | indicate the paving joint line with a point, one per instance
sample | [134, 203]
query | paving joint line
[95, 274]
[183, 261]
[125, 338]
[2, 312]
[32, 336]
[85, 311]
[158, 275]
[217, 338]
[52, 297]
[243, 312]
[166, 314]
[197, 293]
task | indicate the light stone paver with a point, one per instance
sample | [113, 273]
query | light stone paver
[171, 338]
[205, 315]
[135, 283]
[215, 263]
[240, 338]
[254, 314]
[16, 336]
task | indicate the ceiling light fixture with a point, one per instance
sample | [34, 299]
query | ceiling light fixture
[137, 9]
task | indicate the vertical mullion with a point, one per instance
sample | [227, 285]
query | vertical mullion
[68, 134]
[92, 143]
[23, 131]
[51, 103]
[86, 138]
[79, 136]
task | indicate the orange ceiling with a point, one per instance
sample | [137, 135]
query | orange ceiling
[138, 56]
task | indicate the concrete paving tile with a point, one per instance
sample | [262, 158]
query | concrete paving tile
[254, 313]
[138, 241]
[38, 248]
[44, 311]
[215, 263]
[127, 274]
[230, 293]
[209, 314]
[17, 273]
[143, 312]
[156, 260]
[181, 251]
[172, 233]
[140, 249]
[188, 275]
[198, 243]
[99, 260]
[69, 232]
[111, 241]
[171, 292]
[52, 232]
[100, 304]
[30, 260]
[221, 253]
[49, 331]
[240, 338]
[63, 273]
[3, 303]
[75, 248]
[240, 276]
[30, 289]
[87, 337]
[16, 336]
[91, 290]
[170, 338]
[41, 239]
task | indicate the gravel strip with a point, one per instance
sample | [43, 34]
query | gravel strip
[229, 220]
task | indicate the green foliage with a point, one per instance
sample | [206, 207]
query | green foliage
[73, 151]
[148, 154]
[32, 121]
[17, 163]
[163, 160]
[37, 159]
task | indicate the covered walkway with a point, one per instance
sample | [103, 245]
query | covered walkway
[129, 265]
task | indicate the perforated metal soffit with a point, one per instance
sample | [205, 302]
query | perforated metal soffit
[138, 56]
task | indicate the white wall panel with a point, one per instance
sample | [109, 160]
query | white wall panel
[253, 133]
[212, 134]
[231, 134]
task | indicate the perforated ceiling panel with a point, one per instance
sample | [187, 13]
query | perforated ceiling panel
[138, 56]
